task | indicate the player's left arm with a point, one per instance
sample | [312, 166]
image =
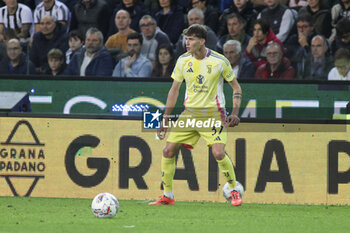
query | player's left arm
[233, 119]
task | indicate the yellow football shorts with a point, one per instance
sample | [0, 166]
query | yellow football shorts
[190, 127]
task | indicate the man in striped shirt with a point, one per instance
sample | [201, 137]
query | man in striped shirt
[54, 8]
[16, 16]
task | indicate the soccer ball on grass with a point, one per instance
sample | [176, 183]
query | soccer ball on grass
[105, 205]
[226, 191]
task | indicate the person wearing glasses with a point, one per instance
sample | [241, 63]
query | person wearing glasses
[17, 62]
[152, 36]
[298, 45]
[277, 66]
[262, 35]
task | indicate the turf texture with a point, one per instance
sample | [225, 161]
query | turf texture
[55, 215]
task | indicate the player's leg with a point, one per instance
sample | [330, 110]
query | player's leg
[226, 167]
[168, 167]
[168, 171]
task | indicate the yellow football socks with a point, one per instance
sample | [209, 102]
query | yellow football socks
[226, 168]
[168, 172]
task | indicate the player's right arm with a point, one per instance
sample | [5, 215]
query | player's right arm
[170, 104]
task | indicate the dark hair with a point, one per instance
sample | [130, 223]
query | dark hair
[135, 35]
[343, 27]
[172, 3]
[196, 30]
[342, 53]
[76, 34]
[305, 17]
[10, 34]
[206, 2]
[158, 67]
[265, 27]
[238, 16]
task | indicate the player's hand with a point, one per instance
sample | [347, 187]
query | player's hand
[161, 132]
[232, 120]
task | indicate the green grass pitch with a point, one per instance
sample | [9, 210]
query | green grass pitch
[55, 215]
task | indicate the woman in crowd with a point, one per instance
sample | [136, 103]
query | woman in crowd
[165, 61]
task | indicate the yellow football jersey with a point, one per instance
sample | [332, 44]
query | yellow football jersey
[204, 79]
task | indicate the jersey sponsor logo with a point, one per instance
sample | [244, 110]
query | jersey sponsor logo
[217, 138]
[200, 79]
[190, 70]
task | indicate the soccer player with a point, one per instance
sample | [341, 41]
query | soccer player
[204, 72]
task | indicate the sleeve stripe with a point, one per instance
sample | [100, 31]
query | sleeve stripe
[221, 58]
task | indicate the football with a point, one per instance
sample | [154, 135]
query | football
[227, 192]
[105, 205]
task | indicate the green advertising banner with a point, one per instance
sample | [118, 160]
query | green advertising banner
[120, 97]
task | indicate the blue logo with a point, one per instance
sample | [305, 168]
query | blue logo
[200, 79]
[151, 120]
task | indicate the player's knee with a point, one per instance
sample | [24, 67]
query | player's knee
[218, 154]
[168, 153]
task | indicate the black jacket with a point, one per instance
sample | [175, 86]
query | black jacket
[25, 66]
[41, 46]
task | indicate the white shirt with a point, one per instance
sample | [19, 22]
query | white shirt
[235, 70]
[335, 75]
[22, 16]
[85, 63]
[59, 12]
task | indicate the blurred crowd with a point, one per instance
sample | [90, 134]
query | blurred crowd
[262, 39]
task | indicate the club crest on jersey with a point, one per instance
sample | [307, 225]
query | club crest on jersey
[200, 79]
[209, 69]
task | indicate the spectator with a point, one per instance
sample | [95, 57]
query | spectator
[279, 17]
[340, 11]
[152, 5]
[165, 61]
[170, 19]
[297, 4]
[76, 43]
[211, 14]
[235, 25]
[277, 66]
[242, 67]
[317, 65]
[51, 35]
[343, 35]
[118, 40]
[18, 17]
[245, 9]
[298, 45]
[321, 17]
[16, 62]
[70, 4]
[153, 37]
[135, 9]
[56, 64]
[90, 13]
[262, 35]
[196, 16]
[341, 71]
[94, 59]
[56, 9]
[135, 64]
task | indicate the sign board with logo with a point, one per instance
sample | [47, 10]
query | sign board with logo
[115, 97]
[77, 158]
